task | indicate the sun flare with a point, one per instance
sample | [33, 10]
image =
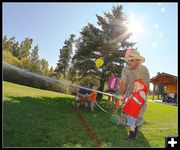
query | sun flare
[136, 27]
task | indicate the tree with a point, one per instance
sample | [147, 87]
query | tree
[44, 67]
[160, 88]
[26, 63]
[6, 46]
[10, 59]
[51, 72]
[16, 52]
[25, 48]
[65, 56]
[35, 63]
[72, 74]
[109, 42]
[11, 46]
[11, 51]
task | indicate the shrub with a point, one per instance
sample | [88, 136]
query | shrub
[10, 59]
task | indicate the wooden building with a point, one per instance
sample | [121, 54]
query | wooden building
[167, 80]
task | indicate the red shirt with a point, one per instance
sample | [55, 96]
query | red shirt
[133, 105]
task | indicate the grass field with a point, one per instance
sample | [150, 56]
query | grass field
[39, 118]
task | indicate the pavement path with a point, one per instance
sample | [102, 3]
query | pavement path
[160, 101]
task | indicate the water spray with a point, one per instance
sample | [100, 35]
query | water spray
[57, 82]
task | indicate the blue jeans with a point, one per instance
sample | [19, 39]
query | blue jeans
[131, 121]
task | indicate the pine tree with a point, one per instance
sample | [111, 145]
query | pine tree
[109, 42]
[44, 67]
[65, 56]
[16, 50]
[51, 72]
[25, 47]
[35, 64]
[6, 45]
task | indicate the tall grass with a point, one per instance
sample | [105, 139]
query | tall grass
[39, 118]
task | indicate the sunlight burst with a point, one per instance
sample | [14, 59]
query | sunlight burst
[136, 27]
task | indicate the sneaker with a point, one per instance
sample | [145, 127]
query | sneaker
[131, 136]
[136, 130]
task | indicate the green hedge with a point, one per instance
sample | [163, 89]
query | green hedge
[16, 75]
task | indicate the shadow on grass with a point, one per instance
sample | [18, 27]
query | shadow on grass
[53, 122]
[105, 128]
[42, 122]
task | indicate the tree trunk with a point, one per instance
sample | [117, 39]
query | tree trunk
[64, 73]
[101, 88]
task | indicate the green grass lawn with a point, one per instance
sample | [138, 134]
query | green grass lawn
[40, 118]
[150, 97]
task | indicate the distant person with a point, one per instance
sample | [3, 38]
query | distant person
[113, 86]
[175, 97]
[93, 96]
[165, 97]
[171, 95]
[82, 95]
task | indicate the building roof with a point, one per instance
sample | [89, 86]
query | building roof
[164, 79]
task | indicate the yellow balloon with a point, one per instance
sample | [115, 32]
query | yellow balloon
[99, 62]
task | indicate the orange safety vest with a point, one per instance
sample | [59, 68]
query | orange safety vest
[93, 96]
[133, 105]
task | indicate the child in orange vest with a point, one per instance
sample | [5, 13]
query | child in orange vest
[93, 98]
[133, 105]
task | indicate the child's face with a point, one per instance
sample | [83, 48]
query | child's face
[138, 86]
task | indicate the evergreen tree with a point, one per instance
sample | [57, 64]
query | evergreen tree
[44, 67]
[25, 48]
[51, 72]
[109, 42]
[72, 74]
[10, 45]
[11, 51]
[6, 46]
[160, 89]
[65, 56]
[35, 63]
[16, 50]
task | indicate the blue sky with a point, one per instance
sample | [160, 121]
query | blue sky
[49, 24]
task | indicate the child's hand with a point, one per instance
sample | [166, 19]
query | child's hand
[123, 100]
[121, 97]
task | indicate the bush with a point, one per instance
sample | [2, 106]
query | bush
[16, 75]
[10, 59]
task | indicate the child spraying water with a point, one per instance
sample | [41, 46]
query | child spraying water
[132, 106]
